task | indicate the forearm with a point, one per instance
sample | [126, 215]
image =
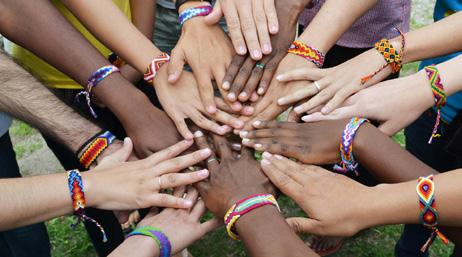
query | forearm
[321, 34]
[115, 31]
[141, 246]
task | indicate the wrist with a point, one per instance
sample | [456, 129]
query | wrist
[192, 4]
[241, 194]
[139, 246]
[422, 90]
[116, 145]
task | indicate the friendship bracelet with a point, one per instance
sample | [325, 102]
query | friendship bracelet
[91, 150]
[158, 236]
[391, 55]
[98, 76]
[179, 3]
[244, 206]
[428, 215]
[154, 67]
[348, 162]
[77, 192]
[194, 12]
[311, 54]
[439, 95]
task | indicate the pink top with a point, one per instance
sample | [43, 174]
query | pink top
[379, 22]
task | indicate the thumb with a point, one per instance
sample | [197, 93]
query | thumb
[303, 225]
[119, 156]
[175, 66]
[215, 16]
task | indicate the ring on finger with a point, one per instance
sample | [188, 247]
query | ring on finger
[160, 181]
[211, 159]
[260, 65]
[318, 87]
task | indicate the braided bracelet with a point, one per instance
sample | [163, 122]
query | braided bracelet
[154, 67]
[392, 56]
[428, 215]
[309, 53]
[348, 163]
[439, 95]
[94, 147]
[77, 192]
[158, 236]
[194, 12]
[244, 206]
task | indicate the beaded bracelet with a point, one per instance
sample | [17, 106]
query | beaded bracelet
[392, 56]
[428, 215]
[194, 12]
[158, 236]
[95, 78]
[77, 192]
[311, 54]
[439, 95]
[348, 163]
[244, 206]
[94, 147]
[154, 67]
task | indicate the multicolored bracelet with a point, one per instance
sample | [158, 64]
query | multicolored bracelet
[348, 163]
[77, 191]
[392, 56]
[158, 236]
[428, 215]
[439, 95]
[154, 67]
[311, 54]
[97, 76]
[94, 147]
[194, 12]
[244, 206]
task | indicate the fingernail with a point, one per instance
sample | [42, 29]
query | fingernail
[267, 48]
[248, 110]
[278, 156]
[203, 173]
[236, 106]
[258, 146]
[282, 101]
[232, 97]
[239, 123]
[243, 96]
[236, 146]
[274, 29]
[325, 109]
[187, 203]
[171, 77]
[243, 133]
[266, 155]
[198, 134]
[256, 54]
[265, 162]
[306, 118]
[221, 130]
[211, 109]
[189, 136]
[256, 123]
[226, 85]
[205, 152]
[241, 50]
[260, 91]
[245, 141]
[298, 109]
[280, 77]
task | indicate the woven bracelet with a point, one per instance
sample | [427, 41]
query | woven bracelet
[165, 247]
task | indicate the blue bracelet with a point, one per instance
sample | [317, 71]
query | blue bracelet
[194, 12]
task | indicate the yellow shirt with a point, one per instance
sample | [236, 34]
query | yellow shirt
[45, 72]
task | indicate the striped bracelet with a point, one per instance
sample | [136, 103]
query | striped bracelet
[439, 95]
[194, 12]
[94, 147]
[309, 53]
[154, 67]
[244, 206]
[161, 239]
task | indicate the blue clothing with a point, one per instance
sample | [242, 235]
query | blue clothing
[5, 123]
[443, 9]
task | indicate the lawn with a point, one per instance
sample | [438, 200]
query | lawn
[373, 242]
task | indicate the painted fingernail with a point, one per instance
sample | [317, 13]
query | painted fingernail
[266, 155]
[211, 109]
[243, 133]
[258, 146]
[256, 123]
[198, 134]
[226, 85]
[298, 109]
[265, 162]
[278, 156]
[282, 101]
[232, 96]
[203, 173]
[256, 54]
[267, 48]
[306, 118]
[245, 141]
[325, 109]
[205, 152]
[260, 91]
[241, 50]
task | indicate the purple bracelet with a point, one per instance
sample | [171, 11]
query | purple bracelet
[194, 12]
[158, 236]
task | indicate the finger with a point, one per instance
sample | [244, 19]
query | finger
[202, 143]
[223, 147]
[252, 83]
[219, 72]
[304, 92]
[249, 30]
[268, 73]
[241, 79]
[183, 129]
[311, 74]
[175, 66]
[232, 71]
[179, 191]
[271, 16]
[275, 124]
[228, 119]
[288, 147]
[222, 105]
[211, 225]
[261, 23]
[304, 225]
[269, 113]
[192, 195]
[289, 167]
[285, 183]
[234, 27]
[268, 133]
[179, 179]
[168, 153]
[293, 116]
[215, 16]
[337, 114]
[206, 91]
[205, 123]
[340, 97]
[120, 155]
[169, 201]
[182, 162]
[254, 97]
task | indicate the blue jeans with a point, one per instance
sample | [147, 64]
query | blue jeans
[435, 156]
[26, 241]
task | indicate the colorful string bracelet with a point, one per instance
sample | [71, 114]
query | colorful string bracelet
[392, 56]
[348, 163]
[309, 53]
[97, 76]
[77, 191]
[439, 95]
[194, 12]
[428, 215]
[154, 67]
[158, 236]
[243, 207]
[94, 147]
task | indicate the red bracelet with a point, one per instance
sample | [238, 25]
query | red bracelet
[154, 67]
[311, 54]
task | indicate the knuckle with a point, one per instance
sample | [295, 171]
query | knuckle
[245, 71]
[247, 25]
[171, 179]
[233, 23]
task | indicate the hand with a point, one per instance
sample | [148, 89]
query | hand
[242, 76]
[310, 143]
[336, 84]
[182, 102]
[394, 103]
[142, 180]
[231, 179]
[207, 50]
[318, 192]
[248, 21]
[182, 226]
